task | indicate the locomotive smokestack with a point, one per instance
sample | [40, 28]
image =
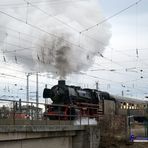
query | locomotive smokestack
[61, 82]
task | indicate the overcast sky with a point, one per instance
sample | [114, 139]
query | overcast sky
[129, 32]
[120, 42]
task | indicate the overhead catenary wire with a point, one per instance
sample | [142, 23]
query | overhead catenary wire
[111, 61]
[49, 15]
[14, 76]
[92, 76]
[110, 17]
[54, 2]
[34, 47]
[99, 65]
[23, 72]
[102, 78]
[42, 30]
[66, 24]
[39, 29]
[62, 21]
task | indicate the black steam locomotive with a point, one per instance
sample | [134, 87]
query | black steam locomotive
[72, 101]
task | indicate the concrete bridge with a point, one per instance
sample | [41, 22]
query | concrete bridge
[23, 125]
[53, 135]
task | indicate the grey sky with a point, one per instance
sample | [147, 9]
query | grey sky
[122, 67]
[129, 32]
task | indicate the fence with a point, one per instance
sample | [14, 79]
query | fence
[29, 113]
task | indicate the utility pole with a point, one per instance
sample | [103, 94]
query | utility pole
[27, 88]
[37, 94]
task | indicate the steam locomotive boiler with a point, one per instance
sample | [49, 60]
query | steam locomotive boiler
[70, 102]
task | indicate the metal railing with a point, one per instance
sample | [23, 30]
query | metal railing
[137, 126]
[29, 113]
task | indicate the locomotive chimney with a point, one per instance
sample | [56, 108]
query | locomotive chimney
[61, 82]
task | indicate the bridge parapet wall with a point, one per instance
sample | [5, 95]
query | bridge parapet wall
[73, 136]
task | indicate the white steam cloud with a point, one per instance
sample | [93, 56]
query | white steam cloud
[51, 39]
[85, 121]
